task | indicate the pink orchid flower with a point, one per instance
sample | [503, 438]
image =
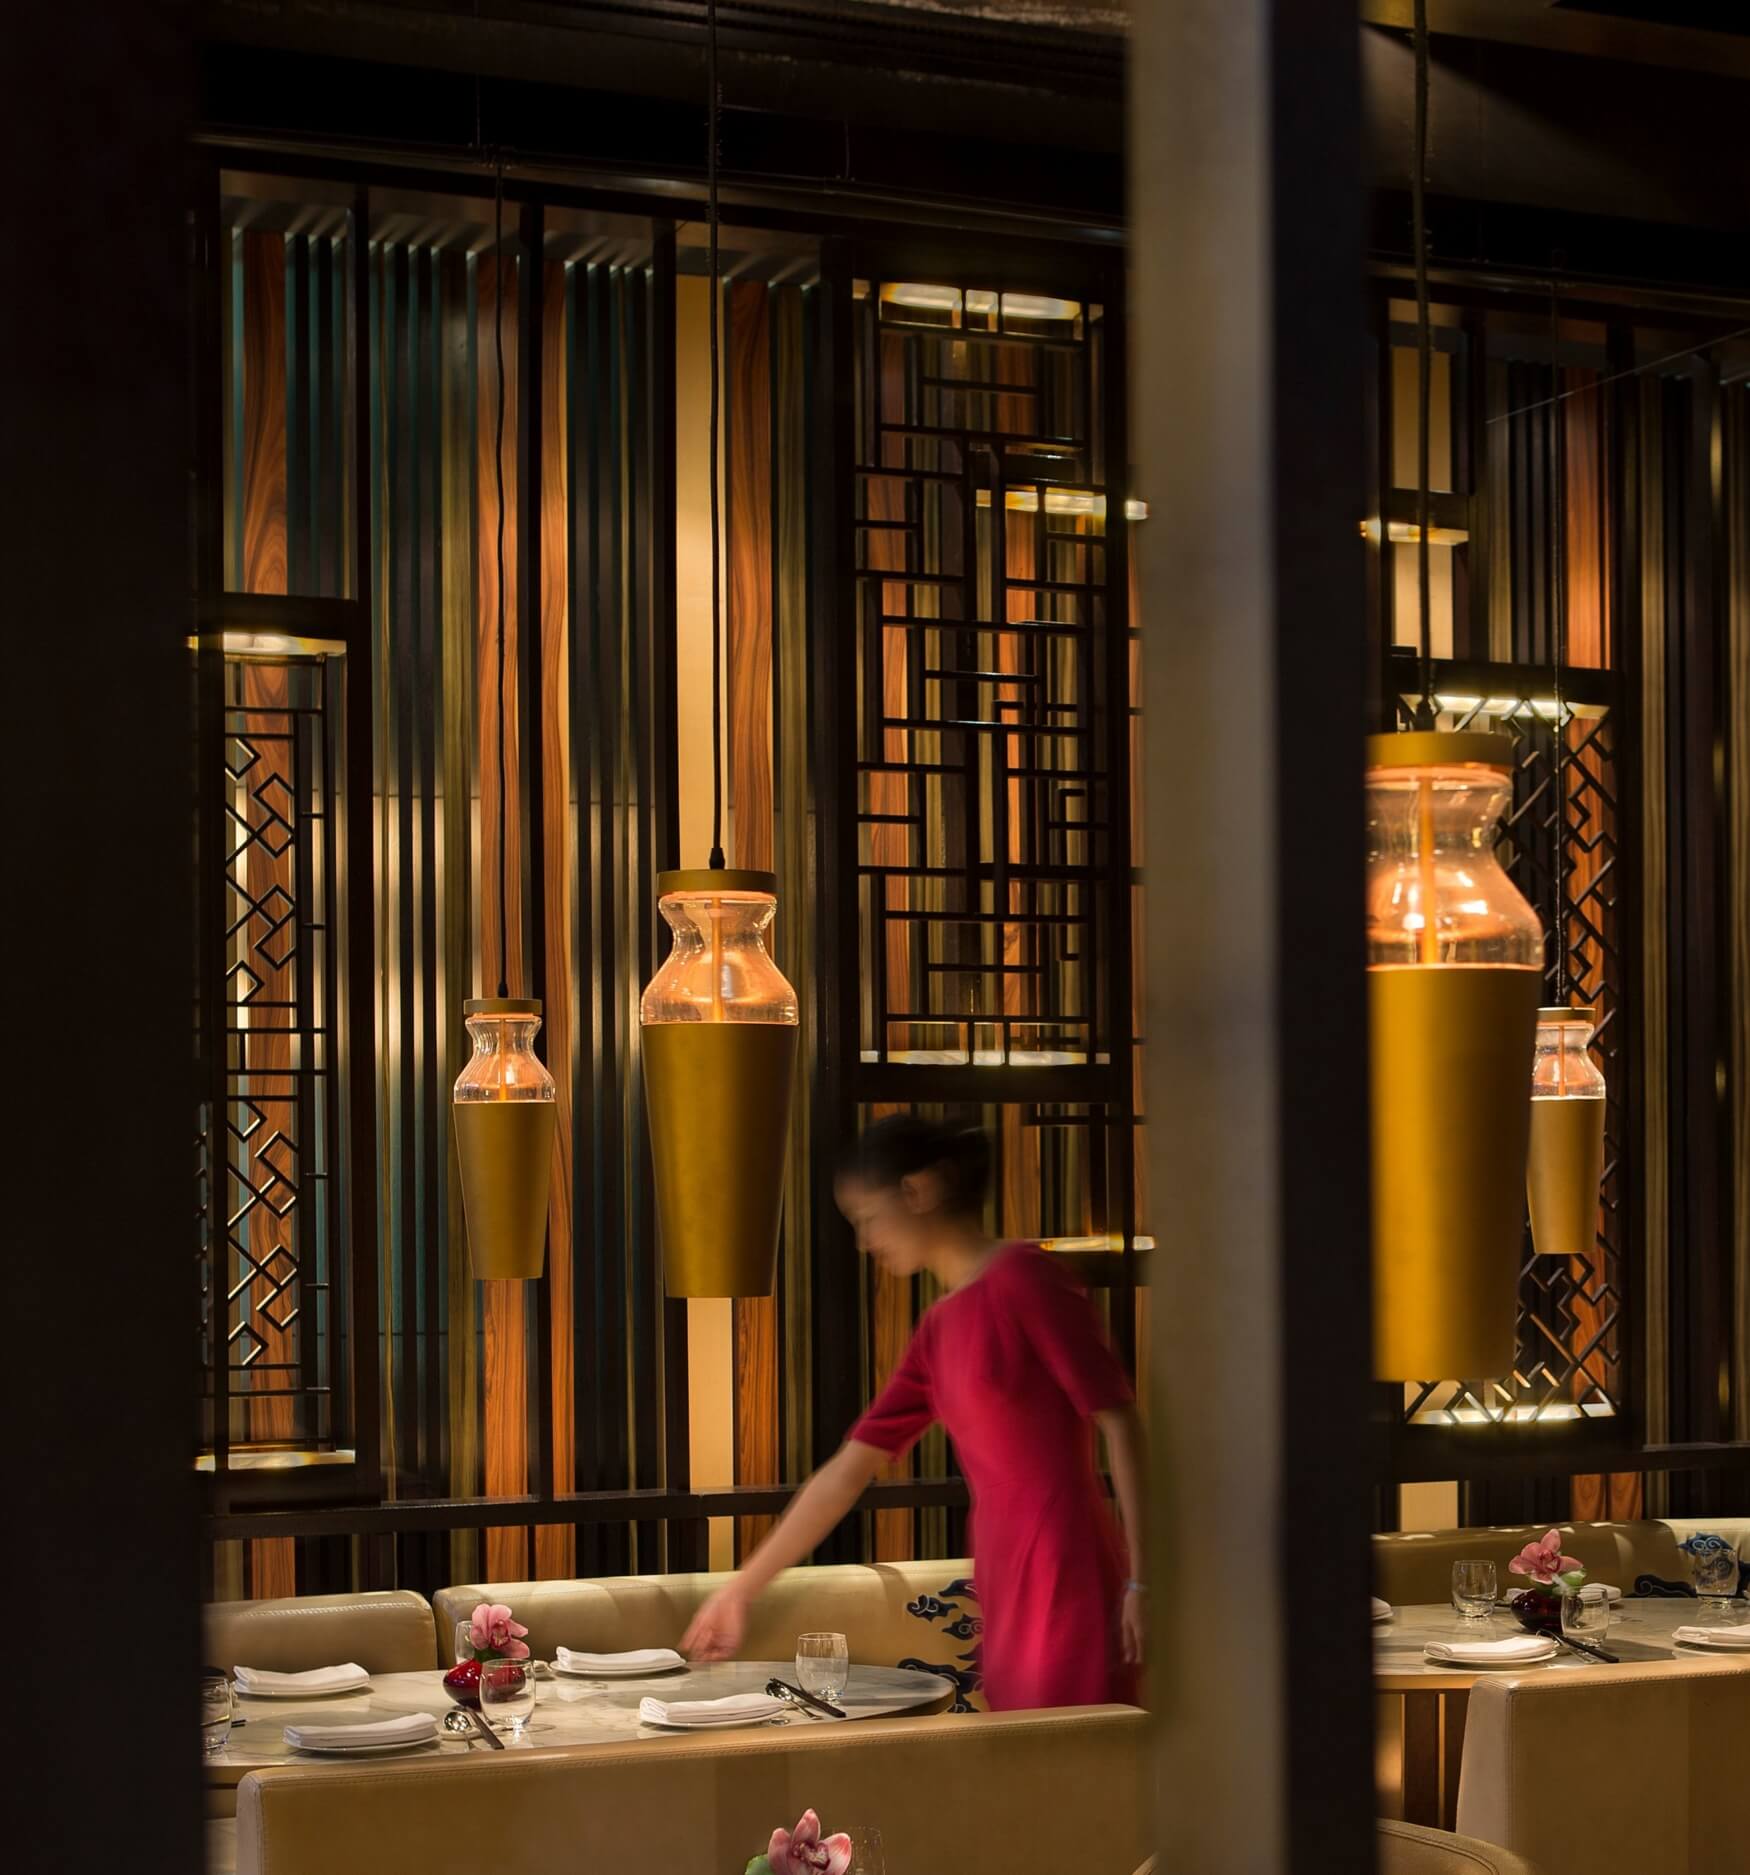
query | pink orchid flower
[1543, 1561]
[802, 1852]
[491, 1629]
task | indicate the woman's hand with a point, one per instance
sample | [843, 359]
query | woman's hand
[715, 1631]
[1133, 1627]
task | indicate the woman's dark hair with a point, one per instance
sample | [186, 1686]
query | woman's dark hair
[905, 1144]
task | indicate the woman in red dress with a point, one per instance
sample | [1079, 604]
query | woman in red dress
[1012, 1362]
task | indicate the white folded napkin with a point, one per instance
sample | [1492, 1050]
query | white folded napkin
[1518, 1647]
[406, 1728]
[1382, 1611]
[737, 1709]
[650, 1659]
[1600, 1592]
[1736, 1637]
[339, 1679]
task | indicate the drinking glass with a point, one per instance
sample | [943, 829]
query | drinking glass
[823, 1665]
[507, 1691]
[215, 1696]
[1473, 1589]
[866, 1856]
[1584, 1620]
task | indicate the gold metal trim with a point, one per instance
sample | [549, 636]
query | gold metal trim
[1565, 1015]
[502, 1006]
[718, 1097]
[1451, 1048]
[505, 1150]
[1563, 1171]
[1440, 748]
[715, 879]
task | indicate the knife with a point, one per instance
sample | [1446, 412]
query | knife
[1588, 1648]
[782, 1689]
[485, 1730]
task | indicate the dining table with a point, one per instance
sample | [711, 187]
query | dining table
[1420, 1734]
[569, 1710]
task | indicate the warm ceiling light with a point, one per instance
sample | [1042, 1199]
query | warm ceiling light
[1035, 306]
[1566, 1162]
[921, 296]
[1454, 969]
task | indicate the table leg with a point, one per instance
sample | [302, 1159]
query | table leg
[1422, 1760]
[1453, 1708]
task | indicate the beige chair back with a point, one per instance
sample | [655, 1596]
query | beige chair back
[1614, 1770]
[891, 1614]
[1411, 1566]
[388, 1631]
[1022, 1790]
[1410, 1849]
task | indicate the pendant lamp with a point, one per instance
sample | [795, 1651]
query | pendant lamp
[720, 1028]
[719, 1021]
[503, 1108]
[1566, 1162]
[1454, 974]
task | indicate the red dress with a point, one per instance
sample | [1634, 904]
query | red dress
[1014, 1364]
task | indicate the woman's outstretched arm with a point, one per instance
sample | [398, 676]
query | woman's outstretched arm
[815, 1510]
[1126, 1454]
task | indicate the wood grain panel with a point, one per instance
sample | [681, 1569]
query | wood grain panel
[272, 1562]
[556, 1544]
[264, 412]
[460, 717]
[889, 1299]
[506, 1429]
[748, 483]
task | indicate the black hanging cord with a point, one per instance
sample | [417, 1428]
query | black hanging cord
[1425, 713]
[498, 469]
[716, 861]
[1558, 641]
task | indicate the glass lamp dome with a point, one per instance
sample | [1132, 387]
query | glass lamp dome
[1454, 957]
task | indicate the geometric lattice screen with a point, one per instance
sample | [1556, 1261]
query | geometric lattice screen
[269, 1208]
[1558, 843]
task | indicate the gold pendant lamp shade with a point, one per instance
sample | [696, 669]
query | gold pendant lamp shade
[1566, 1163]
[504, 1110]
[1454, 971]
[720, 1028]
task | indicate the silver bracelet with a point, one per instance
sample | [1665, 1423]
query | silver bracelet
[1135, 1587]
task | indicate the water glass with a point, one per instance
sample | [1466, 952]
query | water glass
[215, 1697]
[823, 1665]
[507, 1691]
[1473, 1589]
[1585, 1619]
[866, 1856]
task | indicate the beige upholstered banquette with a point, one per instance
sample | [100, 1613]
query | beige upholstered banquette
[1639, 1558]
[1411, 1849]
[389, 1631]
[1639, 1769]
[891, 1614]
[1019, 1791]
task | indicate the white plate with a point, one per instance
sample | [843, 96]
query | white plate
[377, 1748]
[616, 1673]
[1494, 1663]
[306, 1692]
[1713, 1647]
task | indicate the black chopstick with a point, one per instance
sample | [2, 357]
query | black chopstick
[796, 1692]
[1584, 1647]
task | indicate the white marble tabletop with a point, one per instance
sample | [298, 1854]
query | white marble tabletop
[568, 1711]
[1640, 1629]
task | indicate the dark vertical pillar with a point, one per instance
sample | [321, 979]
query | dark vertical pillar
[1248, 405]
[99, 786]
